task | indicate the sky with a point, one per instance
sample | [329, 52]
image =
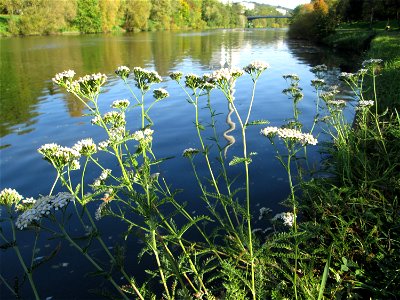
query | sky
[284, 3]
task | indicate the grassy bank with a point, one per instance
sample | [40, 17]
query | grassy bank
[355, 202]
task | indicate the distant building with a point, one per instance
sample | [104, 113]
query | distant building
[247, 5]
[282, 10]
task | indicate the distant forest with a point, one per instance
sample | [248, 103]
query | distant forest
[28, 17]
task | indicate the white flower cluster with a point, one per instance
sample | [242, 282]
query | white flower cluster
[122, 71]
[121, 104]
[352, 77]
[317, 82]
[293, 77]
[189, 152]
[63, 77]
[371, 62]
[287, 217]
[292, 134]
[143, 135]
[327, 96]
[87, 85]
[193, 81]
[42, 207]
[177, 75]
[60, 156]
[104, 145]
[337, 102]
[116, 134]
[85, 147]
[99, 181]
[362, 104]
[319, 68]
[256, 67]
[9, 197]
[96, 120]
[226, 74]
[160, 93]
[144, 78]
[100, 211]
[114, 118]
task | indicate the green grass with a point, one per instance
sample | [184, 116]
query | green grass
[355, 209]
[4, 25]
[386, 45]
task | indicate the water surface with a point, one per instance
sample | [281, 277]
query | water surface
[34, 112]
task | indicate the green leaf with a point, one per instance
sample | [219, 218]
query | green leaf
[257, 122]
[237, 160]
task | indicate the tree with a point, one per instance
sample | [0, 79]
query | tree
[43, 16]
[88, 17]
[160, 15]
[109, 14]
[137, 13]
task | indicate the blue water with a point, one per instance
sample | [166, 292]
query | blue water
[34, 112]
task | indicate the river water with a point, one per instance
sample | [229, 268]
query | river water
[35, 112]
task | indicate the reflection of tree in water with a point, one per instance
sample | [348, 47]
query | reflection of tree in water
[29, 63]
[313, 55]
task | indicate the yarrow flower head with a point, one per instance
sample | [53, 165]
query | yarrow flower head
[189, 152]
[290, 134]
[337, 103]
[42, 207]
[256, 68]
[317, 83]
[144, 78]
[371, 63]
[123, 72]
[225, 75]
[160, 94]
[177, 75]
[144, 136]
[121, 104]
[319, 68]
[85, 147]
[63, 77]
[9, 197]
[363, 104]
[351, 77]
[96, 185]
[87, 86]
[115, 118]
[287, 217]
[60, 156]
[193, 81]
[293, 77]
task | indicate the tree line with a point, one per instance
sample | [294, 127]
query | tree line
[319, 18]
[91, 16]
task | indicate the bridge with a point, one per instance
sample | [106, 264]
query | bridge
[251, 18]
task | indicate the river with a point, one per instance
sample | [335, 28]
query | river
[35, 112]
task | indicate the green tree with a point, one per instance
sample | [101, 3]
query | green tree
[88, 17]
[160, 15]
[137, 13]
[43, 16]
[109, 14]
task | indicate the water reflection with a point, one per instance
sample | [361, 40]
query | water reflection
[29, 63]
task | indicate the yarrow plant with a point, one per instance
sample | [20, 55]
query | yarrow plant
[228, 258]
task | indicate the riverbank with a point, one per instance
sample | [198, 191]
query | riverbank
[355, 202]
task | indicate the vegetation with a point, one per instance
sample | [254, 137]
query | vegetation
[90, 16]
[338, 238]
[320, 18]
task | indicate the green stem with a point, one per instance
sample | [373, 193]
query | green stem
[87, 256]
[21, 260]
